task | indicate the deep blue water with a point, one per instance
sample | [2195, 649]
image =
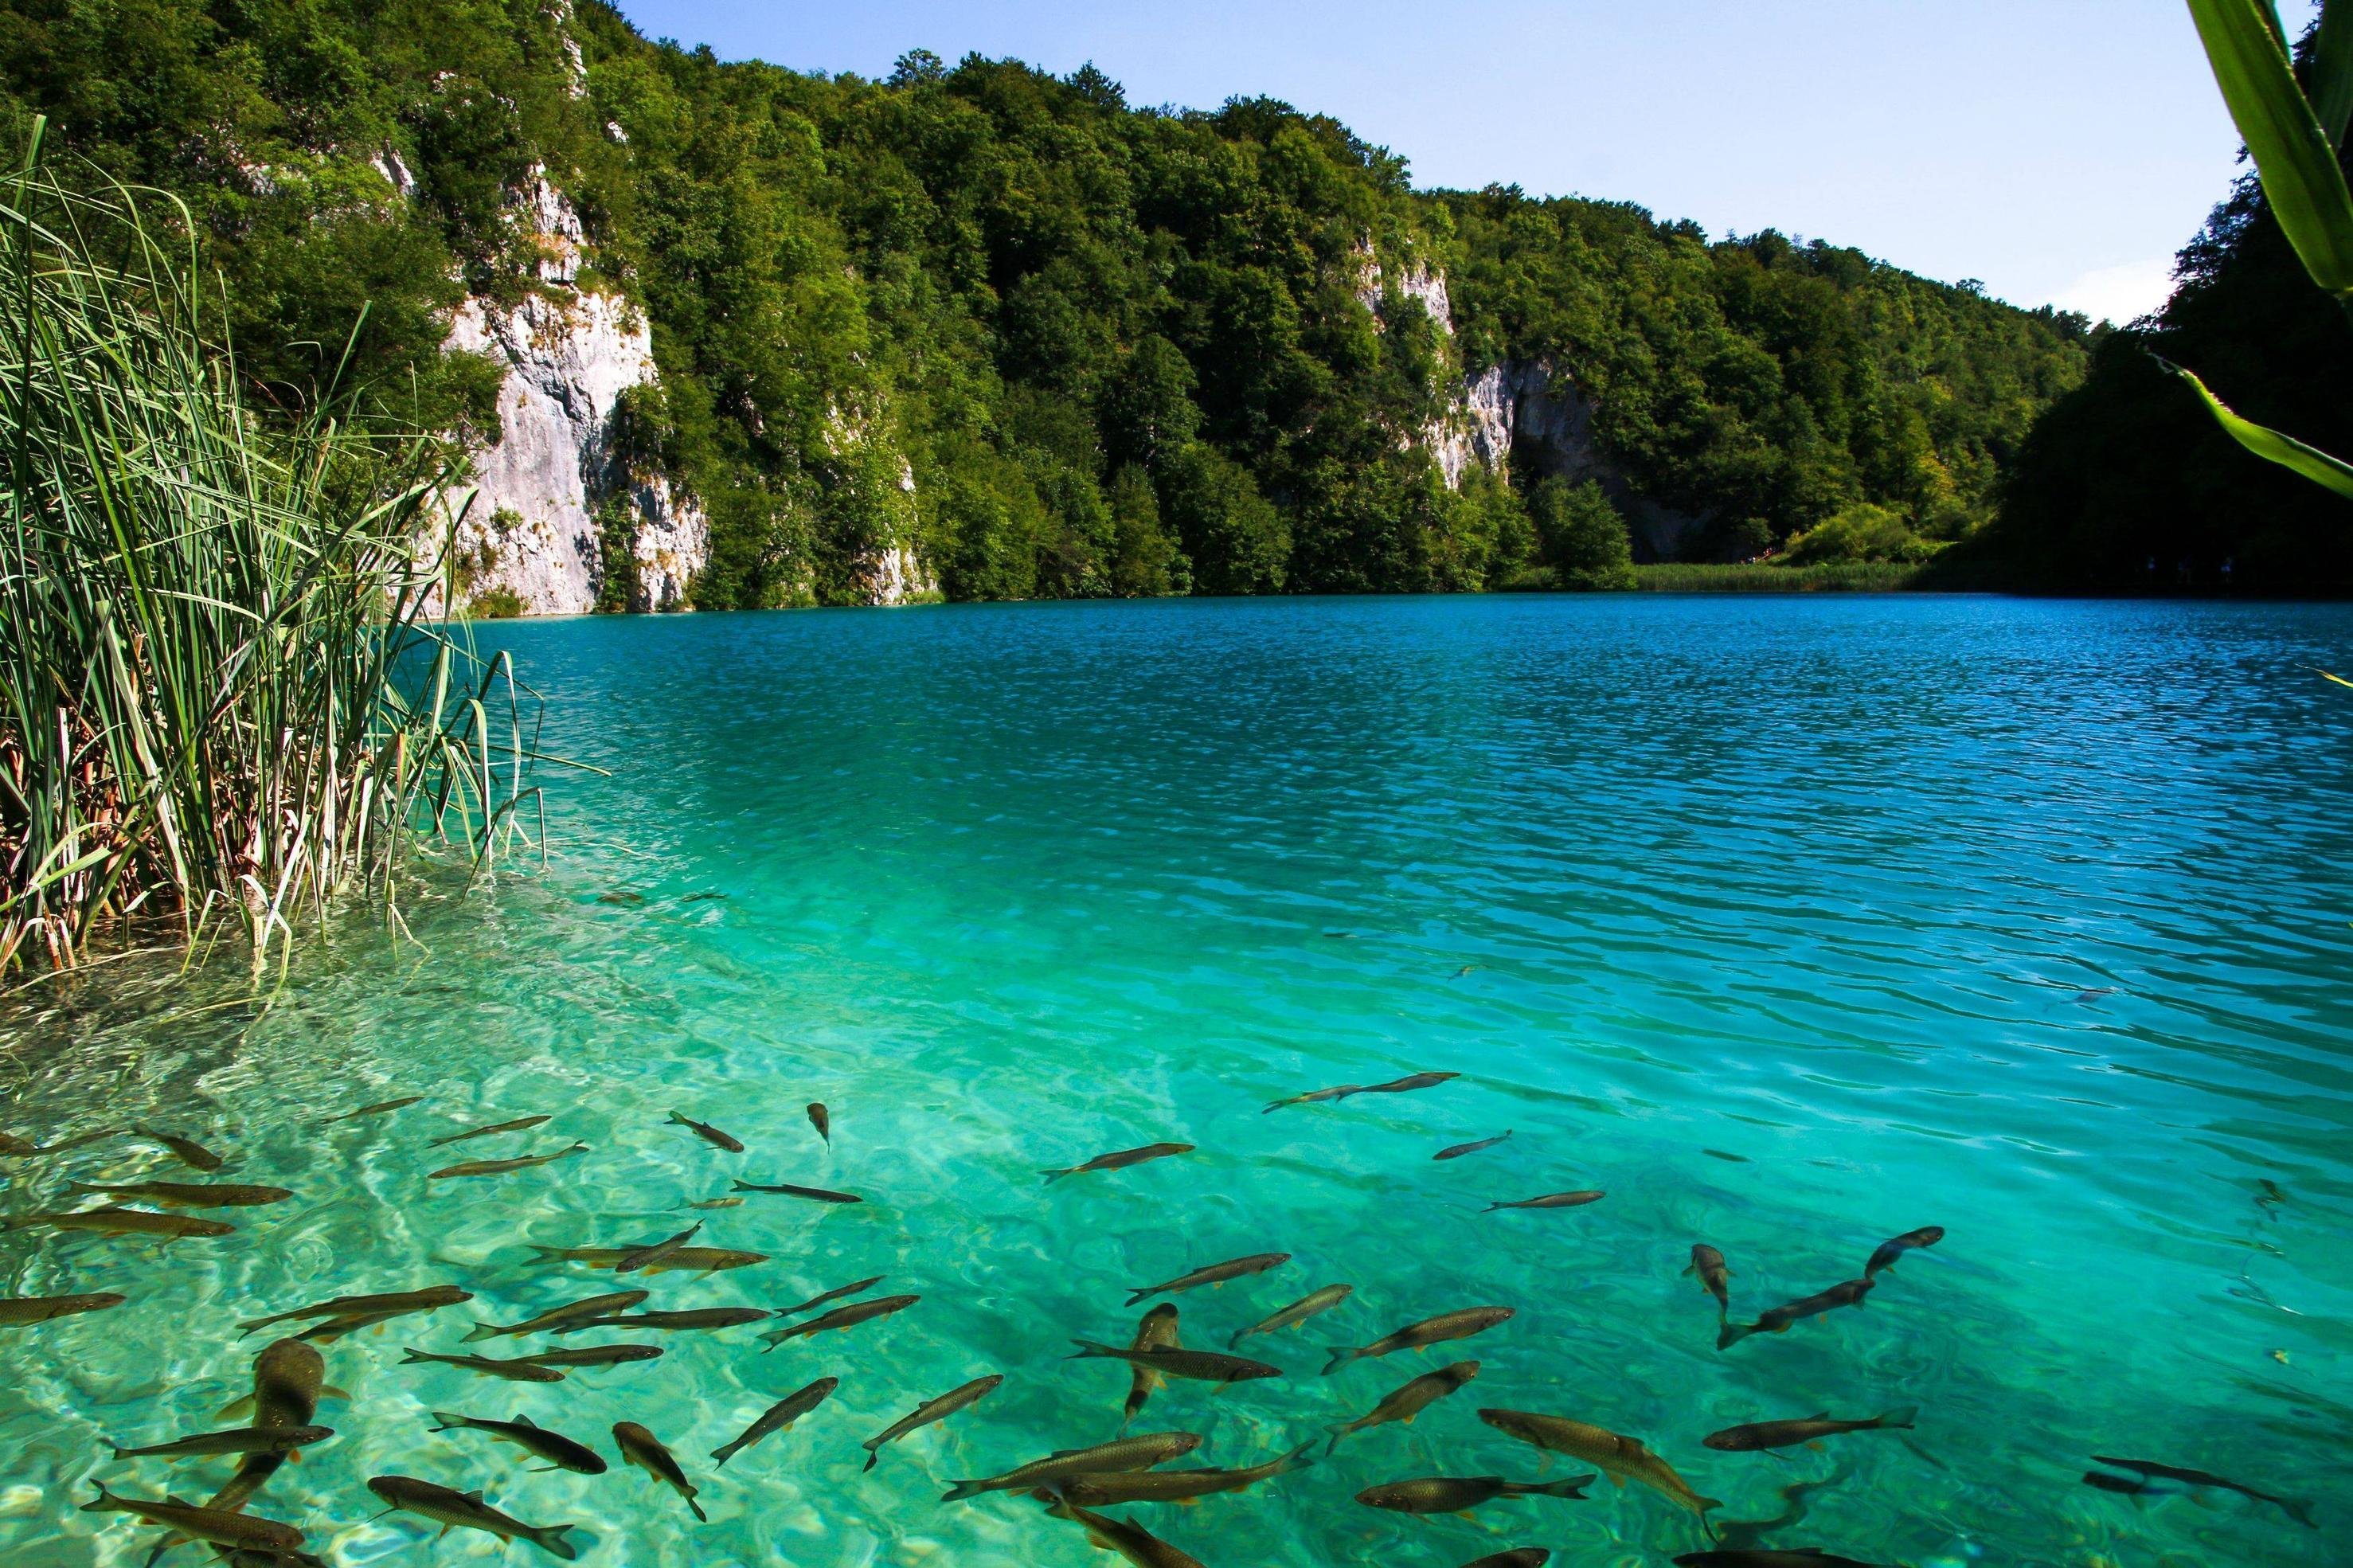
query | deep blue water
[1792, 922]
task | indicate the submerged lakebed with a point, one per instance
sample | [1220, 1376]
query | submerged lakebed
[1790, 924]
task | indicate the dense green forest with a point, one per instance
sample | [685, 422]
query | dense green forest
[1120, 350]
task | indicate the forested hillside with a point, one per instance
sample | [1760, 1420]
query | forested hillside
[1056, 344]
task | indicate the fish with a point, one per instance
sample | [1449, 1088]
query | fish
[236, 1440]
[520, 1124]
[1808, 1430]
[1461, 1494]
[219, 1526]
[836, 1294]
[1336, 1092]
[391, 1303]
[15, 1147]
[518, 1370]
[594, 1356]
[787, 1189]
[1198, 1366]
[1457, 1150]
[623, 898]
[560, 1451]
[708, 1133]
[289, 1378]
[1889, 1253]
[1157, 1331]
[116, 1221]
[1456, 1325]
[643, 1449]
[779, 1417]
[382, 1107]
[1213, 1274]
[21, 1311]
[821, 1119]
[718, 1203]
[959, 1398]
[500, 1167]
[1317, 1301]
[1726, 1156]
[1714, 1277]
[2124, 1486]
[189, 1150]
[1766, 1557]
[191, 1195]
[1411, 1081]
[1116, 1487]
[1520, 1557]
[842, 1318]
[454, 1509]
[1619, 1458]
[658, 1252]
[1127, 1538]
[2296, 1509]
[1553, 1201]
[706, 896]
[334, 1328]
[1407, 1401]
[697, 1317]
[1121, 1161]
[710, 1259]
[1777, 1320]
[593, 1307]
[1140, 1452]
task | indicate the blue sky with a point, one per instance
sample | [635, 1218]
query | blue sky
[2059, 150]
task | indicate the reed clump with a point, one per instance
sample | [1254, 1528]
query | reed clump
[222, 703]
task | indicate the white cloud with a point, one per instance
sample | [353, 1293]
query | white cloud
[2120, 295]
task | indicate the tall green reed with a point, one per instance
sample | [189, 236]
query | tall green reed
[223, 705]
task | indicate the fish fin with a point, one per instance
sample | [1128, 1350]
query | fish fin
[447, 1528]
[1704, 1504]
[1902, 1419]
[1819, 1416]
[1136, 1295]
[482, 1331]
[98, 1504]
[526, 1421]
[1297, 1459]
[698, 1511]
[1688, 1268]
[964, 1490]
[1730, 1334]
[677, 1120]
[540, 1469]
[1189, 1502]
[329, 1390]
[2298, 1510]
[1341, 1356]
[1815, 1444]
[449, 1423]
[1054, 1176]
[294, 1455]
[1570, 1485]
[414, 1355]
[1408, 1420]
[1615, 1479]
[241, 1406]
[871, 1458]
[1088, 1349]
[550, 1538]
[474, 1497]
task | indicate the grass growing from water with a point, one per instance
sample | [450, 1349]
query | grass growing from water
[220, 703]
[1837, 576]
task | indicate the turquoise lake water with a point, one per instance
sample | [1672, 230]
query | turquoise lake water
[1792, 924]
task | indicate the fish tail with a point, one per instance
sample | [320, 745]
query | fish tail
[1136, 1295]
[1341, 1356]
[1054, 1176]
[482, 1331]
[1898, 1419]
[119, 1451]
[1088, 1349]
[1338, 1429]
[964, 1490]
[2298, 1510]
[871, 1456]
[1730, 1334]
[1566, 1487]
[699, 1514]
[1236, 1343]
[415, 1355]
[547, 1252]
[552, 1539]
[102, 1503]
[449, 1423]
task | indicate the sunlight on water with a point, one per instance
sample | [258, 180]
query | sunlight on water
[1792, 924]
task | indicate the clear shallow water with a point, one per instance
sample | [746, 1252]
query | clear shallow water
[2026, 919]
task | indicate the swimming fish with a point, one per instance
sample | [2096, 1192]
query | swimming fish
[237, 1440]
[930, 1410]
[1768, 1557]
[2124, 1486]
[382, 1107]
[1394, 1087]
[20, 1311]
[821, 1119]
[1121, 1161]
[1521, 1557]
[289, 1377]
[1198, 1366]
[2296, 1509]
[1552, 1201]
[560, 1451]
[518, 1370]
[658, 1252]
[708, 1133]
[1456, 1151]
[780, 1416]
[454, 1509]
[836, 1294]
[593, 1307]
[1308, 1306]
[500, 1167]
[187, 1149]
[1156, 1331]
[1714, 1277]
[842, 1318]
[643, 1449]
[116, 1221]
[1127, 1538]
[1140, 1452]
[695, 1317]
[718, 1203]
[710, 1259]
[520, 1124]
[1408, 1400]
[1808, 1430]
[1461, 1494]
[1777, 1320]
[191, 1195]
[219, 1526]
[1108, 1489]
[1889, 1253]
[1456, 1325]
[787, 1189]
[1213, 1274]
[1621, 1458]
[1336, 1092]
[594, 1356]
[391, 1303]
[15, 1147]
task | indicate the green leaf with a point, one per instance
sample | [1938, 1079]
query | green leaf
[2295, 157]
[2331, 71]
[2271, 445]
